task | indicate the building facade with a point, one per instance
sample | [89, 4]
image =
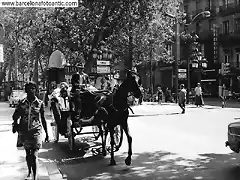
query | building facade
[219, 38]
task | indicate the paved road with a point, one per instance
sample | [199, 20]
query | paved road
[166, 145]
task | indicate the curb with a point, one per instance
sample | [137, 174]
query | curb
[54, 173]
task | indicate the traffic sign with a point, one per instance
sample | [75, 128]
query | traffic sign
[182, 70]
[103, 63]
[103, 69]
[182, 75]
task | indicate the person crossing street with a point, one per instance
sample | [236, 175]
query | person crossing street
[182, 98]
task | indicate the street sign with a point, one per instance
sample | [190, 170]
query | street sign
[182, 75]
[103, 69]
[1, 54]
[103, 63]
[182, 70]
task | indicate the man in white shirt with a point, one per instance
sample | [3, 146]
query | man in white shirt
[198, 95]
[182, 98]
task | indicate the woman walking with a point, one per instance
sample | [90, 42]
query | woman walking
[29, 128]
[198, 96]
[160, 95]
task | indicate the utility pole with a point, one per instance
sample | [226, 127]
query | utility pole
[177, 56]
[150, 56]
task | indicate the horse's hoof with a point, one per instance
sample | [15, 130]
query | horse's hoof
[104, 152]
[112, 163]
[128, 161]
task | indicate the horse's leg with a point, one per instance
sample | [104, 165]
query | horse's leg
[125, 127]
[112, 161]
[103, 135]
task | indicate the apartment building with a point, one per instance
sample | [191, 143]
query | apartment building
[220, 40]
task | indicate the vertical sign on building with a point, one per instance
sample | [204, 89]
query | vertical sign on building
[215, 43]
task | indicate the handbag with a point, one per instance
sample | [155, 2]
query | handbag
[19, 141]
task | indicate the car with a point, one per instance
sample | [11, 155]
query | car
[15, 97]
[233, 137]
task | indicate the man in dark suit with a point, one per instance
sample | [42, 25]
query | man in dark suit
[80, 79]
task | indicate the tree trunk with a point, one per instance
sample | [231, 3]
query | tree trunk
[35, 71]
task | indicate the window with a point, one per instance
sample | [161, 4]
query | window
[197, 28]
[210, 25]
[226, 27]
[225, 3]
[209, 4]
[226, 58]
[186, 8]
[197, 5]
[237, 25]
[238, 60]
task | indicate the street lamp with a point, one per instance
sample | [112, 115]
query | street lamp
[204, 14]
[194, 63]
[204, 63]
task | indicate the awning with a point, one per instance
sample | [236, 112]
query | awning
[208, 80]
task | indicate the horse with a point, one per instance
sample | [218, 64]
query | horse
[115, 108]
[109, 110]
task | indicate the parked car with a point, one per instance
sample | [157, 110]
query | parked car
[15, 97]
[234, 136]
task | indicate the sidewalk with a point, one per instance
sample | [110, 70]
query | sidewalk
[12, 160]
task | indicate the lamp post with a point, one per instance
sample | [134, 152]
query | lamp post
[177, 34]
[103, 57]
[204, 14]
[199, 62]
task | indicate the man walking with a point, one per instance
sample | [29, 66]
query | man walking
[182, 98]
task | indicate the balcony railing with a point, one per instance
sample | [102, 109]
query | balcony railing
[212, 9]
[229, 8]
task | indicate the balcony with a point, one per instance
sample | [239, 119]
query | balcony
[229, 9]
[229, 38]
[211, 9]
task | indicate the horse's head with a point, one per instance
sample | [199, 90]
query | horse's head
[132, 83]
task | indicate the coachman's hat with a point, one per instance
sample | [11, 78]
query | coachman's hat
[80, 65]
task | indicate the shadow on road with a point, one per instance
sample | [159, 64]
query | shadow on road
[81, 164]
[60, 152]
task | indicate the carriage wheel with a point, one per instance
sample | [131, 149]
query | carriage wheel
[71, 140]
[118, 138]
[96, 132]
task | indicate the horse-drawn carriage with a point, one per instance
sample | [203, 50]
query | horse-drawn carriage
[84, 115]
[106, 111]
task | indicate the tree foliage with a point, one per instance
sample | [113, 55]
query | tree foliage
[34, 33]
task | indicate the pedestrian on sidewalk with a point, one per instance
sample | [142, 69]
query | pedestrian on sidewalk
[29, 110]
[198, 95]
[224, 95]
[160, 95]
[141, 96]
[182, 98]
